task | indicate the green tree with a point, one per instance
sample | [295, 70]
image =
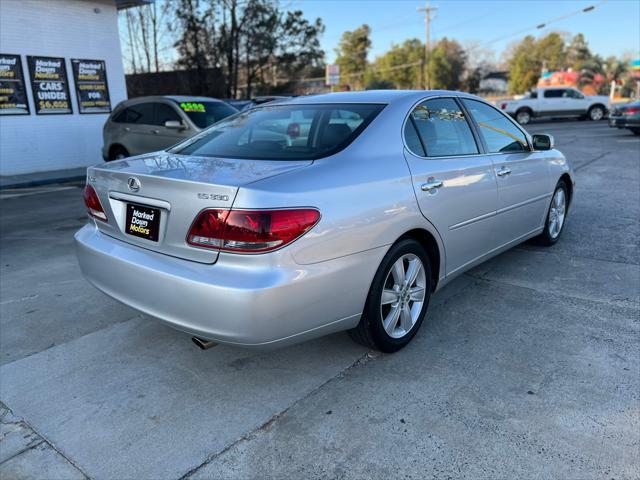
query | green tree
[380, 85]
[578, 53]
[524, 66]
[352, 54]
[446, 65]
[390, 67]
[550, 52]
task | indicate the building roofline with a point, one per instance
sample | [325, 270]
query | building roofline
[124, 4]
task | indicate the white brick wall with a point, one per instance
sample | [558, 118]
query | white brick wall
[58, 28]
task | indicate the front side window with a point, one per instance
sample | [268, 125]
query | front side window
[498, 132]
[443, 129]
[283, 132]
[204, 114]
[573, 94]
[164, 113]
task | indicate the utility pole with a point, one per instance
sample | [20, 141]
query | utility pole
[427, 44]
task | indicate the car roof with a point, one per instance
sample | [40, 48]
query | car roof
[175, 98]
[372, 96]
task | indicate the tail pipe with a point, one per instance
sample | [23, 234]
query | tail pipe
[202, 343]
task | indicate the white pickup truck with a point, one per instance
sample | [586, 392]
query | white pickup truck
[554, 102]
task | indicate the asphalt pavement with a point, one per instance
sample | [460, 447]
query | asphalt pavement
[527, 366]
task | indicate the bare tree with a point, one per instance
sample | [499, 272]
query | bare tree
[148, 30]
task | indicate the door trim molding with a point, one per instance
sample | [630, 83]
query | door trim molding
[522, 204]
[472, 220]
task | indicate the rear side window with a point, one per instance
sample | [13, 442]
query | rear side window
[121, 117]
[443, 129]
[283, 132]
[556, 93]
[141, 113]
[498, 132]
[413, 141]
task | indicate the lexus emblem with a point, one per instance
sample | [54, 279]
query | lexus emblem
[133, 183]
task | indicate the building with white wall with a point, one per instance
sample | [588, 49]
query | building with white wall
[67, 29]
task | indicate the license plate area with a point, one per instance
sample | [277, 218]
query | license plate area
[142, 222]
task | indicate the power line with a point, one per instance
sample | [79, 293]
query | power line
[427, 16]
[544, 24]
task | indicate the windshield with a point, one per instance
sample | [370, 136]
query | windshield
[283, 132]
[203, 114]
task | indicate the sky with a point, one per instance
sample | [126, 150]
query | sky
[612, 28]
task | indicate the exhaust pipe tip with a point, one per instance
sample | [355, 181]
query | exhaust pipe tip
[202, 343]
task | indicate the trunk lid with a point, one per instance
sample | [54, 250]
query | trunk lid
[167, 191]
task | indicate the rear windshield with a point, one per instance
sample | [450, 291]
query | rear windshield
[203, 114]
[283, 132]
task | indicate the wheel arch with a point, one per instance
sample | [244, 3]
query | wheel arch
[525, 108]
[598, 104]
[115, 146]
[429, 242]
[568, 181]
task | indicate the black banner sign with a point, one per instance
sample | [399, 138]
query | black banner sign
[49, 85]
[92, 91]
[13, 93]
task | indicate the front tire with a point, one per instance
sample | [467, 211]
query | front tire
[596, 113]
[398, 298]
[556, 216]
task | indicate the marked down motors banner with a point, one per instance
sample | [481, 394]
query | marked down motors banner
[13, 93]
[92, 91]
[49, 85]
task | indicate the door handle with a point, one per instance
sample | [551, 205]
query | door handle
[156, 131]
[127, 129]
[432, 184]
[503, 171]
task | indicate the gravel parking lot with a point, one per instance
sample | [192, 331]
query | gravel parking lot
[526, 367]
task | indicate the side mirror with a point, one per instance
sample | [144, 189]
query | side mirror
[543, 142]
[174, 125]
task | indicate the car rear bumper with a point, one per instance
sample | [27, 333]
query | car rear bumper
[245, 300]
[624, 122]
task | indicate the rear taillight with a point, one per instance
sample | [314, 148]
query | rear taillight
[93, 204]
[503, 106]
[250, 230]
[631, 111]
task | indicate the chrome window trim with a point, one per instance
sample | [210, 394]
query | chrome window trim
[509, 118]
[436, 157]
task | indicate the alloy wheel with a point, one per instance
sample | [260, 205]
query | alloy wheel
[523, 117]
[596, 113]
[557, 213]
[403, 295]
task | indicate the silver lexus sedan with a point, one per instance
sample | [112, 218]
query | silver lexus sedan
[343, 211]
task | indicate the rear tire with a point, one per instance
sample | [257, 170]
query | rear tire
[523, 116]
[118, 153]
[636, 131]
[556, 216]
[398, 299]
